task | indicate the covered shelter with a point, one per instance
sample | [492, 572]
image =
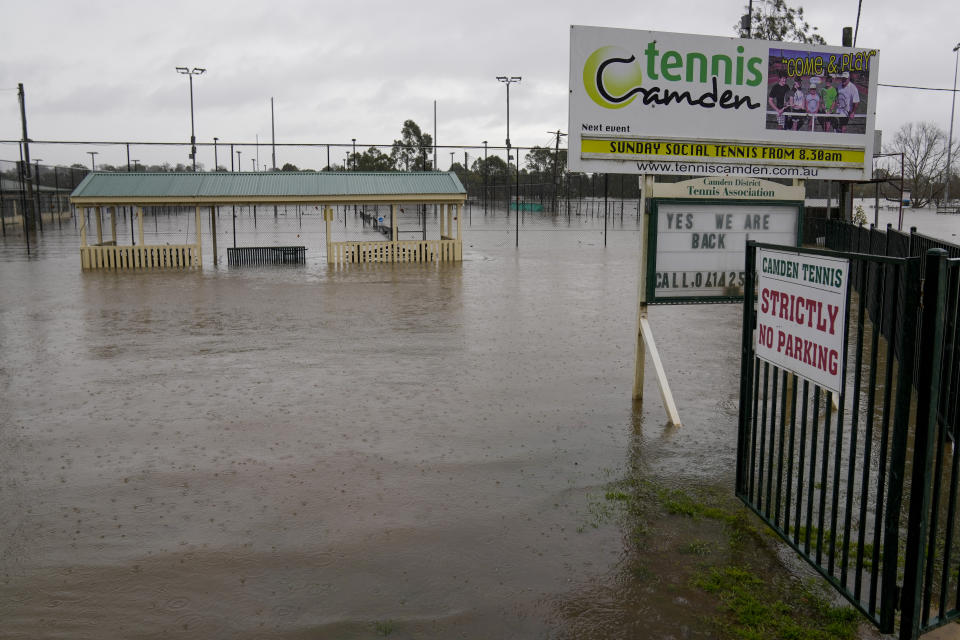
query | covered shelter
[102, 190]
[16, 200]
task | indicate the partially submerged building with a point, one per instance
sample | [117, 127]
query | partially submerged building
[205, 192]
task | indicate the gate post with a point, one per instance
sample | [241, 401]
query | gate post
[746, 367]
[930, 355]
[891, 598]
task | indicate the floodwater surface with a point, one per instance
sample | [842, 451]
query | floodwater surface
[343, 452]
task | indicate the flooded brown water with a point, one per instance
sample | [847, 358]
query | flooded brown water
[318, 452]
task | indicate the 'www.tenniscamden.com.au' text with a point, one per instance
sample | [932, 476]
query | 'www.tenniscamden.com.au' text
[701, 168]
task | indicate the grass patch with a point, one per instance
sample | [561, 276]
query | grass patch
[737, 568]
[385, 627]
[752, 611]
[696, 548]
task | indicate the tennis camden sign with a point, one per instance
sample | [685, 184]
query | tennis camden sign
[678, 104]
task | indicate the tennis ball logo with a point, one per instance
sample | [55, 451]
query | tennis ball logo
[612, 77]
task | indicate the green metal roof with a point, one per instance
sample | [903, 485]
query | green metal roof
[237, 186]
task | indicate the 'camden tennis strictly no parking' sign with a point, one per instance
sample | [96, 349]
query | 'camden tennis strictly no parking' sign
[802, 314]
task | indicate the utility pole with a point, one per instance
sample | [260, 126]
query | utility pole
[24, 201]
[26, 154]
[556, 164]
[846, 188]
[953, 100]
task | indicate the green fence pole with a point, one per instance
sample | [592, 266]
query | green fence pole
[928, 400]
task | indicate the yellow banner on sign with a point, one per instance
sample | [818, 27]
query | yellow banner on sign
[636, 148]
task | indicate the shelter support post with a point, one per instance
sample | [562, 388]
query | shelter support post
[213, 232]
[199, 251]
[83, 229]
[113, 225]
[140, 224]
[99, 211]
[393, 222]
[442, 230]
[327, 219]
[459, 232]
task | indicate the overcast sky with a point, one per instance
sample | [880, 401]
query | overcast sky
[101, 70]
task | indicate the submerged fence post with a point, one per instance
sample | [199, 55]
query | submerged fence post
[930, 354]
[906, 329]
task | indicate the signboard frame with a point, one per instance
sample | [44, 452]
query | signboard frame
[685, 104]
[651, 248]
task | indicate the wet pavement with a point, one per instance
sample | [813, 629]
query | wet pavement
[323, 452]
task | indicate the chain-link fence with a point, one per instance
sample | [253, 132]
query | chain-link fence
[537, 203]
[516, 197]
[35, 195]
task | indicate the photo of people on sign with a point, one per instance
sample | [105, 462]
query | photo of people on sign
[817, 91]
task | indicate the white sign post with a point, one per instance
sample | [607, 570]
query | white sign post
[802, 314]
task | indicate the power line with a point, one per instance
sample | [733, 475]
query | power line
[907, 86]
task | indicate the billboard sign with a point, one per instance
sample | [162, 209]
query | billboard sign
[679, 104]
[802, 314]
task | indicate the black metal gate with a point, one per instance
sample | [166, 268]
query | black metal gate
[864, 484]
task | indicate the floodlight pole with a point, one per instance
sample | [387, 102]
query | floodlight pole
[508, 80]
[953, 100]
[196, 71]
[93, 164]
[273, 138]
[484, 177]
[215, 167]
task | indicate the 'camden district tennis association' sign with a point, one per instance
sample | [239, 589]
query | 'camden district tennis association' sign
[661, 103]
[801, 314]
[699, 230]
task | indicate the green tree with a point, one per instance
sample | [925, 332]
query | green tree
[289, 166]
[776, 20]
[412, 151]
[544, 162]
[494, 167]
[371, 160]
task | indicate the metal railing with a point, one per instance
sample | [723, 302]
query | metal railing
[832, 473]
